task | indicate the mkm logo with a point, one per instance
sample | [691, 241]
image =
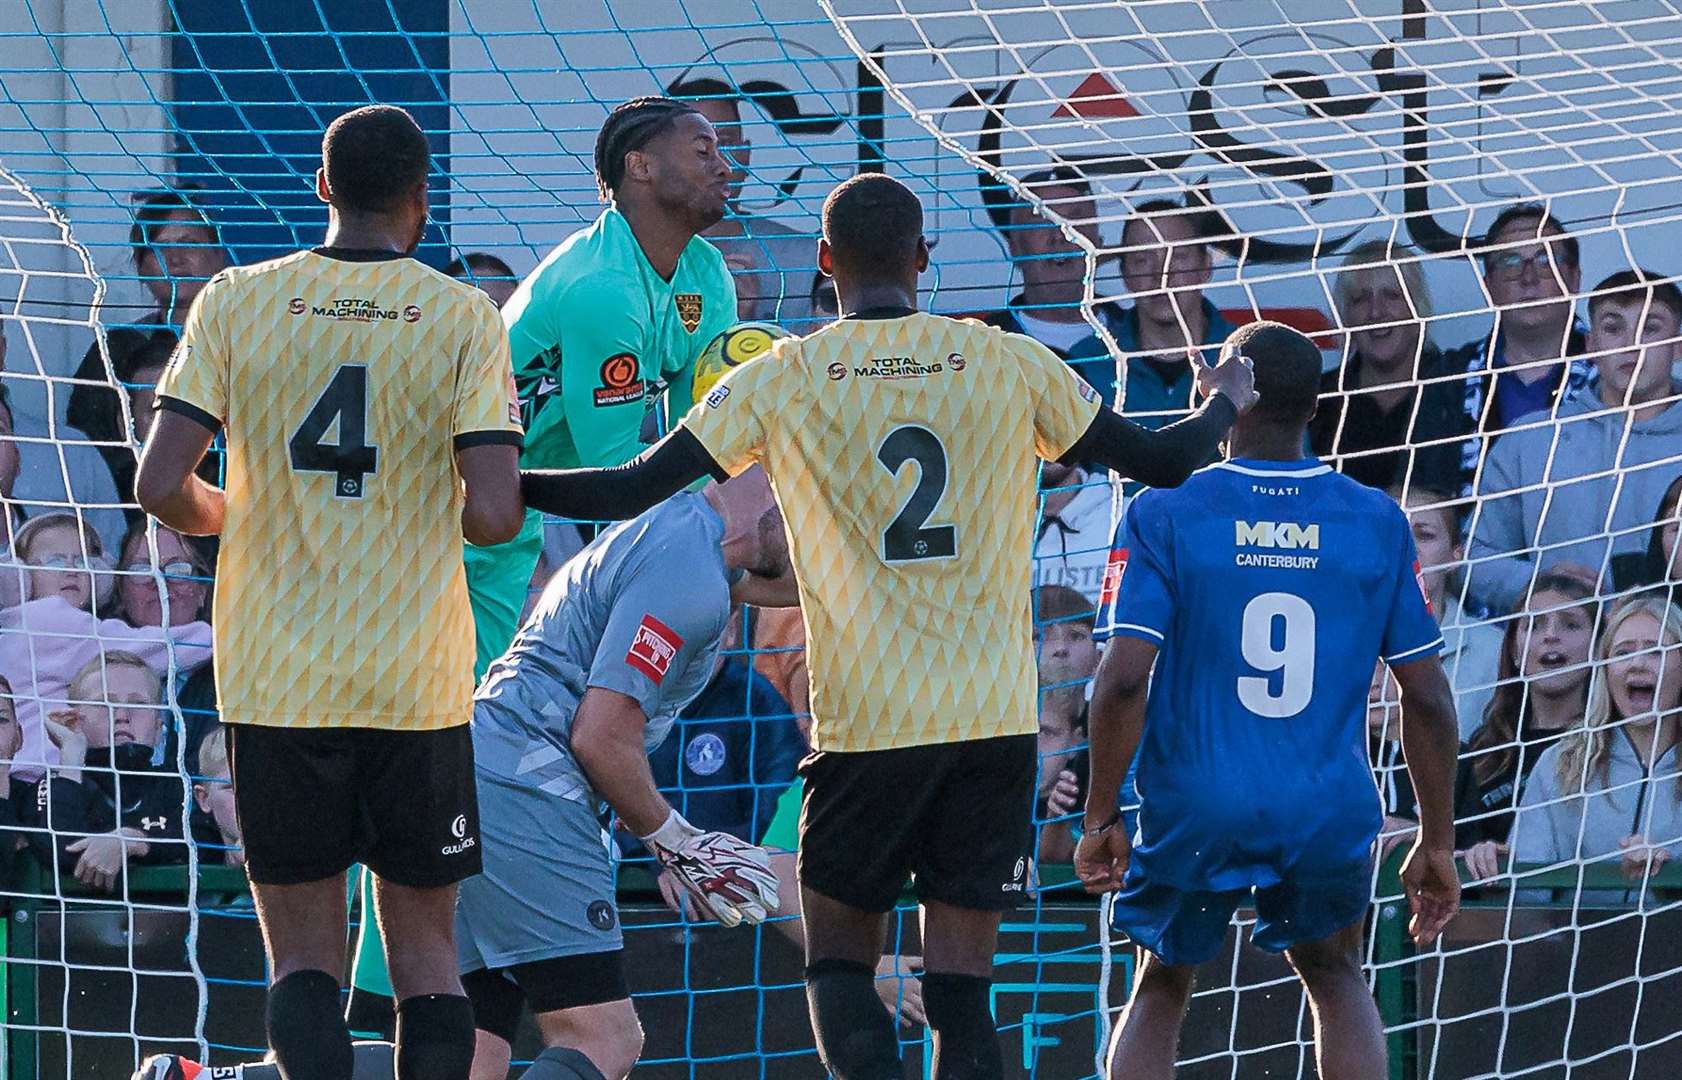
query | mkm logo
[1277, 534]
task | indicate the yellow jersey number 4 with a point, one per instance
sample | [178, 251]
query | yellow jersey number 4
[352, 458]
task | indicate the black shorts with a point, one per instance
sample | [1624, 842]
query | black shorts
[312, 801]
[956, 818]
[560, 982]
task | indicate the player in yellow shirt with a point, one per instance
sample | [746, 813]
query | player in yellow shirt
[361, 392]
[902, 448]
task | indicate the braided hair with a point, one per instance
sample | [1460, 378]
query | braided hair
[630, 127]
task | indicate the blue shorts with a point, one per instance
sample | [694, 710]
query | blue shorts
[1187, 928]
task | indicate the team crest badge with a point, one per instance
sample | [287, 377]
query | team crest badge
[689, 305]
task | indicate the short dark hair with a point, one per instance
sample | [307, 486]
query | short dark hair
[631, 126]
[1637, 287]
[374, 158]
[1287, 367]
[1545, 221]
[1059, 603]
[478, 264]
[873, 221]
[1059, 176]
[703, 88]
[155, 209]
[1199, 219]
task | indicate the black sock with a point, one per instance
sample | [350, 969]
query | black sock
[562, 1063]
[434, 1037]
[306, 1031]
[855, 1035]
[966, 1042]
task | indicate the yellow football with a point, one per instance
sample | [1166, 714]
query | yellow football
[733, 347]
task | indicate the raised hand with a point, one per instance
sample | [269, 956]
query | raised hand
[1234, 376]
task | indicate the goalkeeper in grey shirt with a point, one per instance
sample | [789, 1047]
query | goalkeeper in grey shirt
[624, 636]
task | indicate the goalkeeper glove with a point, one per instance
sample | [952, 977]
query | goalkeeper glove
[732, 877]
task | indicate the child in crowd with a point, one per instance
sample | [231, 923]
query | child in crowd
[1541, 692]
[1471, 645]
[1612, 788]
[48, 639]
[213, 793]
[1063, 620]
[34, 813]
[134, 794]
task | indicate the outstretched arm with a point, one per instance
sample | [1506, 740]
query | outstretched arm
[1162, 458]
[622, 491]
[1166, 457]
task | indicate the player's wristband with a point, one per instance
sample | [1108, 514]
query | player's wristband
[1105, 827]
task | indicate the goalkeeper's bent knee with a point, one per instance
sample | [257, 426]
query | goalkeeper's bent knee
[306, 1032]
[960, 1012]
[435, 1037]
[855, 1035]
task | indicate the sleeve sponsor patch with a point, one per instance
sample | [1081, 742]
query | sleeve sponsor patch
[1113, 569]
[1086, 391]
[621, 382]
[1424, 593]
[716, 398]
[653, 648]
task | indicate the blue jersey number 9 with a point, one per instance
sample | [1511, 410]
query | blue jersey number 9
[1293, 659]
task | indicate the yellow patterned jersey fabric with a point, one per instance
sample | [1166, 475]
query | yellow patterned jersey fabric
[345, 381]
[902, 451]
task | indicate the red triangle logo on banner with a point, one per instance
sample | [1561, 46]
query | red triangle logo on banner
[1096, 96]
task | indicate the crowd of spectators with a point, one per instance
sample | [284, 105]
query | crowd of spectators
[1539, 464]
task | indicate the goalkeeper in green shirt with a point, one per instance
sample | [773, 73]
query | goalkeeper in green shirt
[607, 326]
[610, 323]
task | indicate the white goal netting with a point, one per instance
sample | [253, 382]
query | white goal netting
[1305, 146]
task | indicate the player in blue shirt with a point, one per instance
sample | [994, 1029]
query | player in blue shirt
[1263, 591]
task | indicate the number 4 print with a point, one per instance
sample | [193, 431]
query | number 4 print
[350, 459]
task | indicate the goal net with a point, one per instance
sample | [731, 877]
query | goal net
[1310, 147]
[1122, 180]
